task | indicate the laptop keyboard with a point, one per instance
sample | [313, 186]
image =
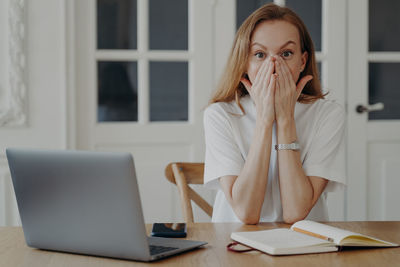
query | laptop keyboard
[159, 249]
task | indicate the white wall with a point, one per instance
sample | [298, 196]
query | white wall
[46, 97]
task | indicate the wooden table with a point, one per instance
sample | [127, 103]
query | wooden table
[14, 252]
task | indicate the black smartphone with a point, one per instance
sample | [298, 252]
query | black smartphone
[169, 230]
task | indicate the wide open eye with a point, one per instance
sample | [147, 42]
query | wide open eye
[259, 55]
[287, 54]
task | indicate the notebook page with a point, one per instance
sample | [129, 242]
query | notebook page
[278, 241]
[336, 234]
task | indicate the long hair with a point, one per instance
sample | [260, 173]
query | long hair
[230, 88]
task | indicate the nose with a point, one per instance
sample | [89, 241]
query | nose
[273, 59]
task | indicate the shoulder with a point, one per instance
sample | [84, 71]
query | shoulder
[329, 105]
[226, 110]
[218, 108]
[331, 111]
[216, 117]
[323, 109]
[323, 116]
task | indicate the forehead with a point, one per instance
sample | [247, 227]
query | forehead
[274, 33]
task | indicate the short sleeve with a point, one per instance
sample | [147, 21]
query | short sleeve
[326, 157]
[223, 156]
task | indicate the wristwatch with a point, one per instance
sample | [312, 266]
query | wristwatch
[293, 146]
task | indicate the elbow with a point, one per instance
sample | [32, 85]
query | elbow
[248, 218]
[292, 217]
[295, 213]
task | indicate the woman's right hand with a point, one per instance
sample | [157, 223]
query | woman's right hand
[262, 91]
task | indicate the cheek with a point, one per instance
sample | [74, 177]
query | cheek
[252, 69]
[295, 71]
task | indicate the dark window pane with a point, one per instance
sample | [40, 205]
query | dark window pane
[117, 91]
[168, 91]
[310, 12]
[116, 24]
[384, 25]
[245, 7]
[168, 24]
[384, 83]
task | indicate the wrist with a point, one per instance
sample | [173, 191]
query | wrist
[264, 129]
[286, 131]
[265, 123]
[285, 122]
[292, 146]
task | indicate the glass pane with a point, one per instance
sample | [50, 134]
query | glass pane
[168, 91]
[117, 91]
[116, 24]
[168, 24]
[245, 7]
[384, 25]
[311, 14]
[384, 83]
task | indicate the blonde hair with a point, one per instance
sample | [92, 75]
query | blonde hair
[230, 88]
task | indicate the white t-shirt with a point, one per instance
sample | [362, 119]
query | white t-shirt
[320, 130]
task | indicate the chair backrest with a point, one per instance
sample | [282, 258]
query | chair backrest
[182, 174]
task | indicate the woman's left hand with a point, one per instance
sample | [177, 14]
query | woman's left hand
[286, 92]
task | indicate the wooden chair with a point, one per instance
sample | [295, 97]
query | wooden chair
[182, 174]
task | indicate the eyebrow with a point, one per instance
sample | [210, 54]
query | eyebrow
[285, 44]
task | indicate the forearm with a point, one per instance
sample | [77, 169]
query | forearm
[248, 190]
[296, 189]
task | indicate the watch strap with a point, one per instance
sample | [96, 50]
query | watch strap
[291, 146]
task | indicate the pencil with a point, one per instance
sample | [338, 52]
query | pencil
[312, 234]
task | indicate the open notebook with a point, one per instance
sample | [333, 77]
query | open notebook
[305, 237]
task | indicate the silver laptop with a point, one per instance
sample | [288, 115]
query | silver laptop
[85, 202]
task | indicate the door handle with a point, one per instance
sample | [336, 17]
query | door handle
[370, 108]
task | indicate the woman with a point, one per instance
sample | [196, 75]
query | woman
[274, 145]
